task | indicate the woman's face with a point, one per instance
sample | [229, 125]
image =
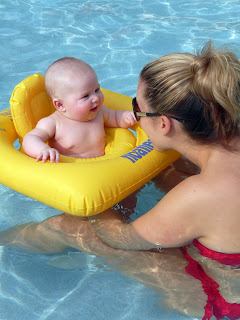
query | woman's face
[150, 126]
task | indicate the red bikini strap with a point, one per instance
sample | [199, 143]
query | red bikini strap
[230, 259]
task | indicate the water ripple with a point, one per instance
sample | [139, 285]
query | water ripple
[117, 38]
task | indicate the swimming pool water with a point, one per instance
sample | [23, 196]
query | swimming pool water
[117, 38]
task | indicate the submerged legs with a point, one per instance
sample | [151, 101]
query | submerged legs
[55, 234]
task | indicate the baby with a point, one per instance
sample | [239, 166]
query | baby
[76, 128]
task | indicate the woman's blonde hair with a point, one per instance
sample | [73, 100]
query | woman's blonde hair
[203, 90]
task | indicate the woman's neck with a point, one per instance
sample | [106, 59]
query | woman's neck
[198, 154]
[203, 155]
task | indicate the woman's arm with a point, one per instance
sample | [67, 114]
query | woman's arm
[171, 223]
[112, 230]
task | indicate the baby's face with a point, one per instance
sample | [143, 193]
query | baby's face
[82, 97]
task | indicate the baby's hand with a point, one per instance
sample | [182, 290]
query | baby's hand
[50, 153]
[128, 118]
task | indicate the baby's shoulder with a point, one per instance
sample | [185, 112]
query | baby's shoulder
[102, 114]
[47, 121]
[104, 110]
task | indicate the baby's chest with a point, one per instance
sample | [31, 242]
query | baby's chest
[82, 133]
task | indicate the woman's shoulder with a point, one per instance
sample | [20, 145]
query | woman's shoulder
[188, 190]
[177, 218]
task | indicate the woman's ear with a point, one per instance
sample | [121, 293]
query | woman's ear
[59, 105]
[165, 124]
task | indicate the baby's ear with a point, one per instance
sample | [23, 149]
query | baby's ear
[58, 105]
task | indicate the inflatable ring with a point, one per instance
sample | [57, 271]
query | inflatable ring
[81, 187]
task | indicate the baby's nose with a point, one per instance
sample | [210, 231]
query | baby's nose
[95, 98]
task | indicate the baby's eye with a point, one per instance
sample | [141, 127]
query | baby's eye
[86, 96]
[97, 90]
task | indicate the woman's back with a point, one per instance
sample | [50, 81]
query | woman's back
[219, 203]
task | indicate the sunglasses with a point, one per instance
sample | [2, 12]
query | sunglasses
[137, 112]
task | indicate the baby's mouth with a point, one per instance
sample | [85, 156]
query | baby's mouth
[94, 109]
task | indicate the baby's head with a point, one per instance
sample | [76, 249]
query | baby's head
[62, 74]
[73, 84]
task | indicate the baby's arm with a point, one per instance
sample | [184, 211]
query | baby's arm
[119, 118]
[34, 142]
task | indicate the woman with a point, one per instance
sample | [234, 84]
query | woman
[189, 103]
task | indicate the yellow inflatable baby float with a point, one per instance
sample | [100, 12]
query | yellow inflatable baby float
[81, 187]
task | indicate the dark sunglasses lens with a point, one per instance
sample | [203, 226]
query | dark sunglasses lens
[135, 108]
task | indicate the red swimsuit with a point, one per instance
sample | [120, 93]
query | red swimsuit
[216, 305]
